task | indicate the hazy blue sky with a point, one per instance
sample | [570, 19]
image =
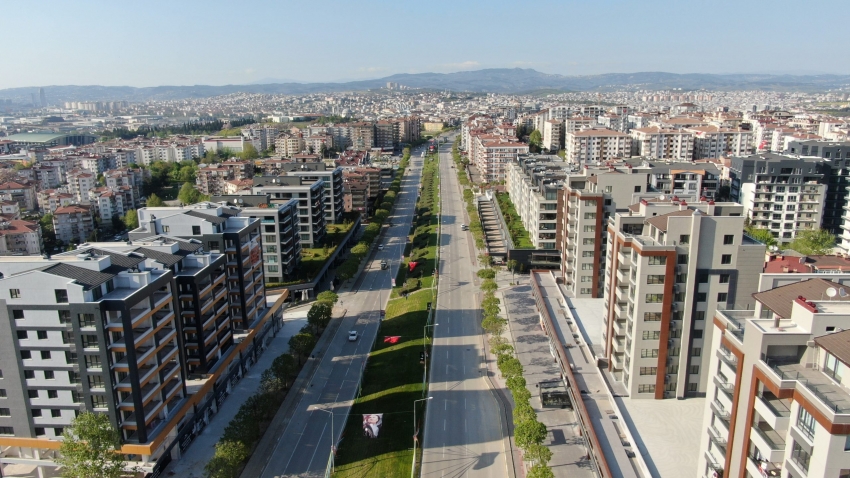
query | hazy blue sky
[181, 42]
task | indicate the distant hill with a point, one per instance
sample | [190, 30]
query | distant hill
[499, 80]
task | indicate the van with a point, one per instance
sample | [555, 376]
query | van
[383, 264]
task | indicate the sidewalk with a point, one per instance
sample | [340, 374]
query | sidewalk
[532, 350]
[191, 464]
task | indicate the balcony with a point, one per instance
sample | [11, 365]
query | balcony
[725, 355]
[726, 387]
[770, 444]
[718, 438]
[814, 385]
[159, 297]
[721, 412]
[776, 412]
[761, 467]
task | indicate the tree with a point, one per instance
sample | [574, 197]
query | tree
[88, 448]
[328, 296]
[188, 194]
[131, 219]
[228, 456]
[515, 383]
[535, 140]
[302, 344]
[813, 242]
[509, 366]
[540, 471]
[502, 349]
[528, 433]
[486, 273]
[249, 152]
[284, 368]
[538, 454]
[155, 201]
[762, 235]
[523, 412]
[319, 315]
[512, 265]
[489, 285]
[494, 325]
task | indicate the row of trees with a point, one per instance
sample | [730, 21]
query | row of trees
[475, 226]
[247, 427]
[529, 433]
[810, 242]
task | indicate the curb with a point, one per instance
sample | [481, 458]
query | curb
[274, 432]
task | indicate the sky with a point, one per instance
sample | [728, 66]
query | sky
[185, 42]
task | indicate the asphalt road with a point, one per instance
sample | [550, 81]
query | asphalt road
[304, 447]
[463, 434]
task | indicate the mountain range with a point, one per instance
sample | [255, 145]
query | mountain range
[497, 80]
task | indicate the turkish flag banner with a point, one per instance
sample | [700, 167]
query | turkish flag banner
[392, 339]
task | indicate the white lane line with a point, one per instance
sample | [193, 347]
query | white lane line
[446, 405]
[317, 446]
[444, 424]
[464, 404]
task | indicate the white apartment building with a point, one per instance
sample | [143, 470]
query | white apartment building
[311, 203]
[79, 184]
[491, 153]
[613, 121]
[712, 142]
[533, 183]
[589, 199]
[778, 400]
[553, 135]
[19, 237]
[287, 145]
[669, 265]
[579, 123]
[596, 145]
[234, 144]
[664, 144]
[73, 224]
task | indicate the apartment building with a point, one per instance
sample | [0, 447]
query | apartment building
[80, 182]
[212, 178]
[261, 136]
[50, 199]
[579, 123]
[384, 134]
[20, 191]
[553, 135]
[362, 136]
[281, 239]
[613, 121]
[109, 202]
[19, 237]
[778, 400]
[664, 144]
[331, 178]
[73, 224]
[588, 198]
[311, 203]
[234, 144]
[596, 145]
[701, 180]
[219, 229]
[491, 153]
[712, 142]
[533, 183]
[288, 144]
[785, 194]
[669, 264]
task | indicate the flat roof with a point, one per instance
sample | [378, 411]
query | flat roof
[35, 137]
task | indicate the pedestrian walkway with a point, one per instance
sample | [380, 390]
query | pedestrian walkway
[532, 349]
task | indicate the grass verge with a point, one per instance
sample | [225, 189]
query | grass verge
[519, 235]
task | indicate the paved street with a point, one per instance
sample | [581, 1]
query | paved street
[463, 432]
[304, 447]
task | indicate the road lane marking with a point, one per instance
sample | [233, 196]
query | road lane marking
[444, 424]
[310, 465]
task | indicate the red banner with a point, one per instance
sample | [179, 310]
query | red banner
[392, 339]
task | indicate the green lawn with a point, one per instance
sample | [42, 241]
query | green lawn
[391, 382]
[519, 236]
[314, 258]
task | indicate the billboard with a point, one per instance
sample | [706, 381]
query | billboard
[372, 423]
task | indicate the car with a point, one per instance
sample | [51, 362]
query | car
[380, 247]
[463, 226]
[352, 335]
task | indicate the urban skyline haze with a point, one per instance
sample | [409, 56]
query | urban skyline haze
[216, 42]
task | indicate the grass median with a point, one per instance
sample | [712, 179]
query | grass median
[391, 382]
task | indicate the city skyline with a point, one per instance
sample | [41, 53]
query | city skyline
[386, 39]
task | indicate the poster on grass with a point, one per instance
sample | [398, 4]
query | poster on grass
[372, 423]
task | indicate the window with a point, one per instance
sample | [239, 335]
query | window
[32, 393]
[684, 239]
[590, 215]
[590, 228]
[17, 314]
[96, 381]
[586, 253]
[272, 268]
[682, 259]
[45, 355]
[694, 370]
[646, 388]
[165, 229]
[586, 279]
[655, 279]
[648, 370]
[61, 296]
[28, 374]
[637, 189]
[64, 316]
[86, 320]
[800, 456]
[696, 352]
[2, 393]
[654, 298]
[586, 290]
[98, 401]
[7, 431]
[702, 297]
[587, 241]
[92, 361]
[587, 267]
[59, 431]
[847, 443]
[609, 189]
[89, 341]
[22, 335]
[52, 394]
[692, 387]
[728, 239]
[651, 334]
[48, 375]
[834, 368]
[657, 260]
[26, 355]
[41, 334]
[721, 297]
[724, 278]
[806, 422]
[15, 293]
[196, 230]
[697, 334]
[55, 413]
[36, 412]
[648, 353]
[39, 431]
[726, 259]
[651, 316]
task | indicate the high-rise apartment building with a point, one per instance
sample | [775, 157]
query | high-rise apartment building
[712, 142]
[534, 183]
[778, 401]
[553, 135]
[664, 144]
[311, 203]
[596, 145]
[669, 264]
[331, 177]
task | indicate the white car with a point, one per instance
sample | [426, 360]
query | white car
[352, 335]
[380, 247]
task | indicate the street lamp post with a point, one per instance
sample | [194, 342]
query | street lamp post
[415, 434]
[333, 462]
[425, 352]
